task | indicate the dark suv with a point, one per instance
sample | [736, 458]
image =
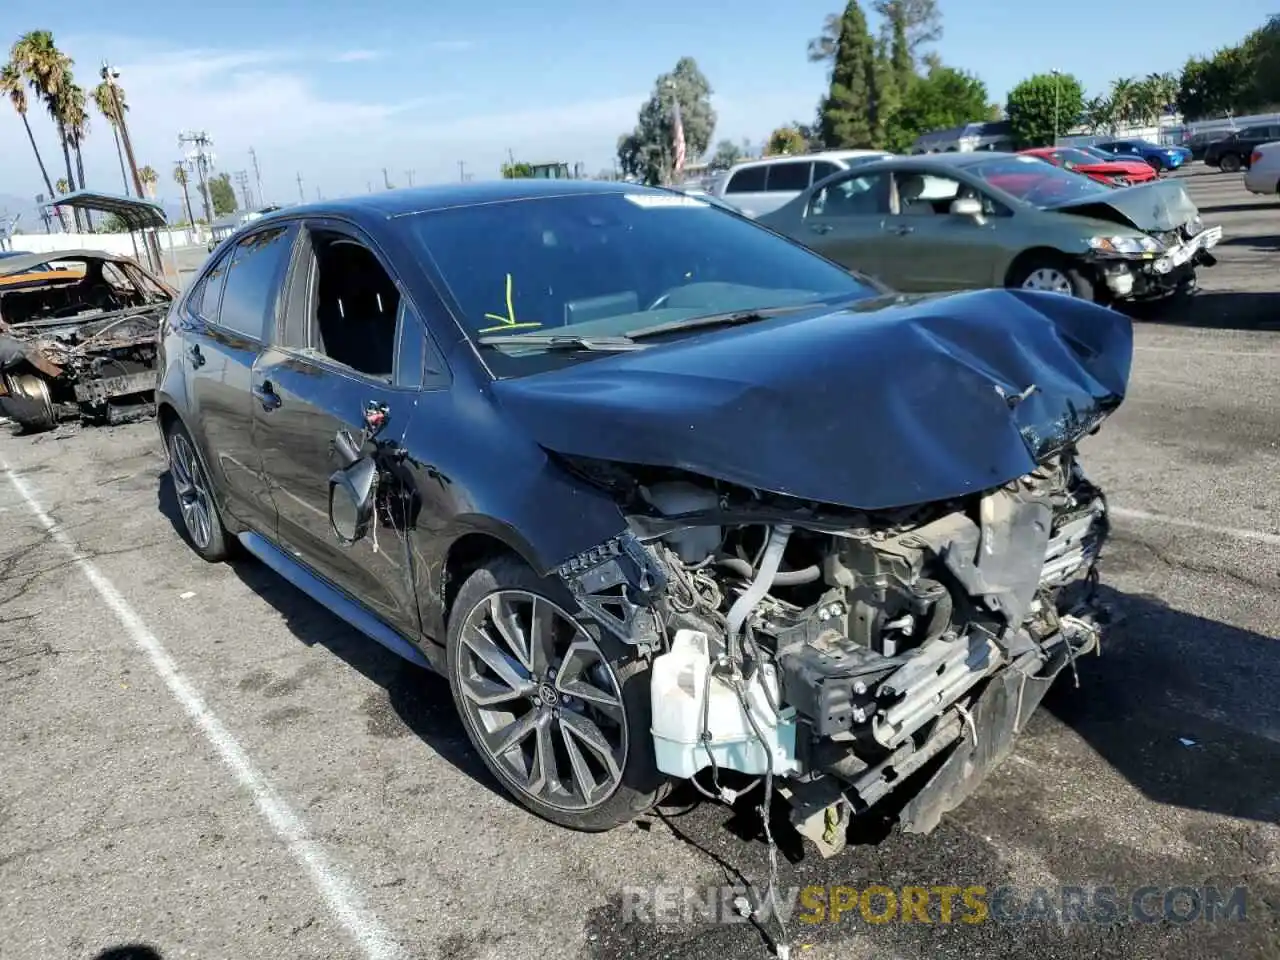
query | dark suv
[656, 488]
[1231, 154]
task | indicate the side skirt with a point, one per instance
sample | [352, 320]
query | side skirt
[332, 599]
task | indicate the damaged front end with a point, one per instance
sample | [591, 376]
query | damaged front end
[78, 338]
[841, 650]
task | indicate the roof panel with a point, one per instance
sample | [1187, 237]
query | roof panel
[138, 214]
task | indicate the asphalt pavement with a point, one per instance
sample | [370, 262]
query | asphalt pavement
[199, 759]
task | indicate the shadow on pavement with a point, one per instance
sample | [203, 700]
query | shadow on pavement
[1183, 707]
[1263, 242]
[1215, 310]
[418, 702]
[131, 951]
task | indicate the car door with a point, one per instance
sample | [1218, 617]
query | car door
[844, 219]
[228, 322]
[928, 248]
[351, 346]
[786, 180]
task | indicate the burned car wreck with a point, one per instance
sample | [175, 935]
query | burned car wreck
[78, 337]
[664, 495]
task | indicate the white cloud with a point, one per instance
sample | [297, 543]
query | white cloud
[356, 56]
[266, 99]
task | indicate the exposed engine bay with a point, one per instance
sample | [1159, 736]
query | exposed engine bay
[847, 651]
[78, 338]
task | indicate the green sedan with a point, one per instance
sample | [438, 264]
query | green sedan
[985, 219]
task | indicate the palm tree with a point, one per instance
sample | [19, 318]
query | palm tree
[77, 120]
[48, 70]
[1124, 95]
[107, 107]
[180, 177]
[13, 86]
[1100, 113]
[149, 179]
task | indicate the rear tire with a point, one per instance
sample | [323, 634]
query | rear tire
[524, 704]
[26, 402]
[1230, 163]
[194, 493]
[1053, 274]
[1157, 165]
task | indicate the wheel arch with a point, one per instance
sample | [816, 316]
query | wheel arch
[475, 543]
[1032, 254]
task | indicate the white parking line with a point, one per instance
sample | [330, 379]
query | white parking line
[1192, 352]
[375, 941]
[1239, 533]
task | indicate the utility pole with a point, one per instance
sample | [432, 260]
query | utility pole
[203, 160]
[242, 181]
[318, 197]
[110, 74]
[257, 175]
[1057, 83]
[462, 171]
[302, 197]
[408, 175]
[368, 185]
[386, 181]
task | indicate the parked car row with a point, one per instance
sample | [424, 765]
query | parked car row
[1079, 221]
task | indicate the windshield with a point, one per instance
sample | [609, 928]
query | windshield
[605, 264]
[1034, 182]
[1074, 158]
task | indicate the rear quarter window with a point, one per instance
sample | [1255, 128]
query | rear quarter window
[747, 180]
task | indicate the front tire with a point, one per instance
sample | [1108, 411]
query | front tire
[1157, 165]
[200, 517]
[1054, 275]
[556, 706]
[1230, 163]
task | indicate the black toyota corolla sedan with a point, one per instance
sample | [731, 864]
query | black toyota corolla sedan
[664, 495]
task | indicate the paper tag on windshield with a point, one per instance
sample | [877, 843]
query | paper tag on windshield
[659, 200]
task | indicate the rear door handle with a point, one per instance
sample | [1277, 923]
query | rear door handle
[903, 229]
[820, 227]
[197, 358]
[267, 396]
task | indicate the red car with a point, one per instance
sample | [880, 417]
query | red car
[1114, 173]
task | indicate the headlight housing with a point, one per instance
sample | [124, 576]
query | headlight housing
[1133, 246]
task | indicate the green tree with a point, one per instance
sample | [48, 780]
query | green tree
[1044, 105]
[920, 19]
[947, 97]
[785, 140]
[222, 194]
[106, 104]
[516, 171]
[727, 154]
[648, 152]
[48, 72]
[848, 113]
[900, 58]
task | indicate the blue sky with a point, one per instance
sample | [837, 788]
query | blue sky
[335, 91]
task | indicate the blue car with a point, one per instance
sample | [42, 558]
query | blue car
[1159, 156]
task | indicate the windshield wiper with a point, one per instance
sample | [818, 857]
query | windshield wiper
[561, 341]
[728, 319]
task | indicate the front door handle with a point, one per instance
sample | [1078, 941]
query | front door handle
[820, 227]
[267, 396]
[903, 229]
[197, 358]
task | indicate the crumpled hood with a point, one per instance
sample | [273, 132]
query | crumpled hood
[889, 403]
[1154, 207]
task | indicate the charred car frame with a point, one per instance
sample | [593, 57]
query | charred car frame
[78, 337]
[665, 495]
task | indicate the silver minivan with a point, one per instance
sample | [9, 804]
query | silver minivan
[757, 187]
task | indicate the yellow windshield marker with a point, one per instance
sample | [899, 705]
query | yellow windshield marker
[509, 321]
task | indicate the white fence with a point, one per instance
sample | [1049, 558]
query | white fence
[117, 243]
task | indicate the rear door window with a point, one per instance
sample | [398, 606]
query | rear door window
[852, 196]
[789, 177]
[747, 180]
[258, 263]
[208, 291]
[823, 169]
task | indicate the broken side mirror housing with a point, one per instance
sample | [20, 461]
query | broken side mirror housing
[351, 493]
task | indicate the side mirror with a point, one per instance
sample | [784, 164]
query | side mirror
[967, 207]
[351, 493]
